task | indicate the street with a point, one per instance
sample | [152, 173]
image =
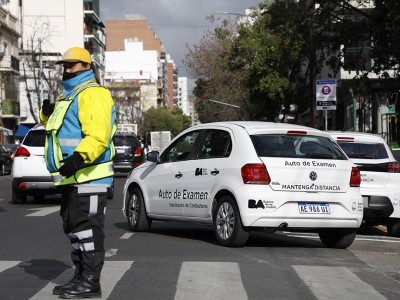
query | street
[182, 261]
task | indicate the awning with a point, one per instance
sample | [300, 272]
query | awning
[6, 131]
[23, 129]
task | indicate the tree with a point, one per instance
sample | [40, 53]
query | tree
[40, 77]
[164, 119]
[208, 62]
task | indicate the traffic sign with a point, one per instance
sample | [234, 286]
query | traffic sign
[326, 94]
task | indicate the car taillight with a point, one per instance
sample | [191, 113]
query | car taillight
[255, 174]
[393, 167]
[355, 178]
[22, 152]
[138, 152]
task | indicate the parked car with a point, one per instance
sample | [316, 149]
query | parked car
[243, 176]
[11, 148]
[129, 152]
[380, 177]
[30, 176]
[5, 161]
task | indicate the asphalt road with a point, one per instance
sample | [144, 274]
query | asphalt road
[182, 261]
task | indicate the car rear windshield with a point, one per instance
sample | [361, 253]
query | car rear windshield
[296, 146]
[364, 150]
[127, 140]
[35, 138]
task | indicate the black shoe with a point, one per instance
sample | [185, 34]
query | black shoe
[57, 288]
[85, 287]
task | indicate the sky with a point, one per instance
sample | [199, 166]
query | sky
[176, 22]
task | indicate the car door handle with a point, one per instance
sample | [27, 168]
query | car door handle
[178, 175]
[215, 172]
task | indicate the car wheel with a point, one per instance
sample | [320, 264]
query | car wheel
[136, 212]
[18, 197]
[393, 227]
[228, 228]
[339, 238]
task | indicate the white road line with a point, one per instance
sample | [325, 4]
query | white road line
[335, 283]
[112, 272]
[111, 252]
[205, 280]
[4, 265]
[43, 211]
[126, 236]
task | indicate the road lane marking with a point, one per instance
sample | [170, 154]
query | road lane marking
[206, 280]
[4, 265]
[111, 252]
[126, 236]
[335, 283]
[43, 211]
[112, 272]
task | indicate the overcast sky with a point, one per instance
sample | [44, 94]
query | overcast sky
[176, 22]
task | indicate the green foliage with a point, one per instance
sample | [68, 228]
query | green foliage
[164, 119]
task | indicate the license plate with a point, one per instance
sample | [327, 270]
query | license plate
[314, 208]
[121, 151]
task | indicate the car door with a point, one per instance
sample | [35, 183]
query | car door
[165, 180]
[202, 176]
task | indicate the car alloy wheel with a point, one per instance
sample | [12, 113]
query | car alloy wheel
[227, 224]
[136, 212]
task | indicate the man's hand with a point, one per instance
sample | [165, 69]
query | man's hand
[47, 108]
[71, 165]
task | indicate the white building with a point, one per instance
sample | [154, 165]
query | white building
[48, 29]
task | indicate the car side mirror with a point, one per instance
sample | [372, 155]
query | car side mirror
[153, 156]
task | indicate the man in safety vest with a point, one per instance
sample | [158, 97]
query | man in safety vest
[79, 152]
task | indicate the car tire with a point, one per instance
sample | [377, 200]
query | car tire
[393, 227]
[339, 238]
[136, 212]
[228, 228]
[18, 197]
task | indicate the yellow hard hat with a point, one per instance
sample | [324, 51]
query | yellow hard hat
[75, 54]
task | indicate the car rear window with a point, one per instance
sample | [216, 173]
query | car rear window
[127, 140]
[364, 150]
[35, 138]
[296, 146]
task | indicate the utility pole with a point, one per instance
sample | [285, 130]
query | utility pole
[40, 71]
[311, 12]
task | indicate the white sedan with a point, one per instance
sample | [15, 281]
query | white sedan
[243, 176]
[380, 177]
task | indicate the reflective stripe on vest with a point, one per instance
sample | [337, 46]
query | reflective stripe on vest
[87, 173]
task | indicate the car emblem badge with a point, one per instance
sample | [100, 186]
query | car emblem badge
[313, 176]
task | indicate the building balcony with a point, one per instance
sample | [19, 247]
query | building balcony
[10, 109]
[9, 63]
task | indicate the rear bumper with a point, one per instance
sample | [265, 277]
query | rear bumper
[35, 184]
[377, 207]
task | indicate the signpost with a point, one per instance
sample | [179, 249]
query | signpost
[326, 97]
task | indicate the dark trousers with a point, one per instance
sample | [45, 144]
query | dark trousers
[83, 218]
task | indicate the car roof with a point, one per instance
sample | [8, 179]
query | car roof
[257, 127]
[358, 136]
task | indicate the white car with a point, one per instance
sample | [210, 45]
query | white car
[30, 176]
[380, 177]
[243, 176]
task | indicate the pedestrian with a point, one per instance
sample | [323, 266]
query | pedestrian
[79, 152]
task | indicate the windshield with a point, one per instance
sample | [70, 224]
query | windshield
[297, 146]
[364, 150]
[130, 141]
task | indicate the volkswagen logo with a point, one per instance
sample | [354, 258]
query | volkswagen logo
[313, 176]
